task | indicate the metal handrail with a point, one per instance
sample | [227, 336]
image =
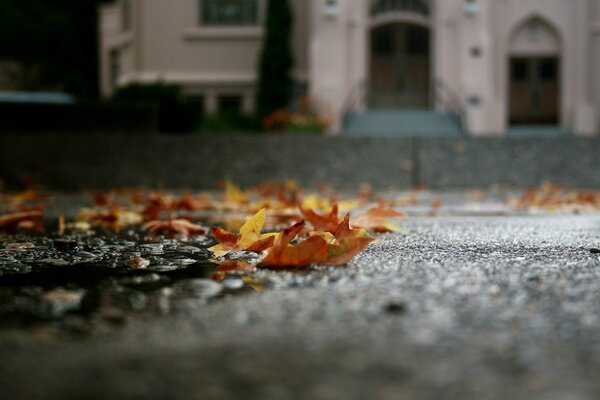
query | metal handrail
[356, 96]
[449, 100]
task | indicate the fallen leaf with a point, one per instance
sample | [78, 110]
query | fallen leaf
[176, 227]
[314, 202]
[191, 203]
[114, 218]
[306, 252]
[103, 199]
[249, 238]
[327, 223]
[234, 194]
[343, 250]
[28, 220]
[320, 247]
[348, 243]
[436, 203]
[378, 220]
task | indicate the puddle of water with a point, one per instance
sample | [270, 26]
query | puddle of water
[79, 284]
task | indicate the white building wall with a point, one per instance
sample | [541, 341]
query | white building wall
[168, 44]
[329, 64]
[332, 54]
[567, 18]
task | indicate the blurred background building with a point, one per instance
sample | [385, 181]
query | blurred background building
[490, 67]
[486, 67]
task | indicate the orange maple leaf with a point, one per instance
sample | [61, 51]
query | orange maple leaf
[321, 246]
[348, 243]
[326, 223]
[306, 252]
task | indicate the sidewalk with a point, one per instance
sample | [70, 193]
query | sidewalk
[472, 307]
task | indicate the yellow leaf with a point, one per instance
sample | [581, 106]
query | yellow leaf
[249, 238]
[234, 194]
[250, 231]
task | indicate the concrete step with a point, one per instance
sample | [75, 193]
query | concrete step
[402, 123]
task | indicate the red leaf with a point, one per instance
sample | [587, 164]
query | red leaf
[326, 223]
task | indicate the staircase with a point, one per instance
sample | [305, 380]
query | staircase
[402, 123]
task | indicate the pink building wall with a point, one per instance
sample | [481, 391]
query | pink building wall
[471, 44]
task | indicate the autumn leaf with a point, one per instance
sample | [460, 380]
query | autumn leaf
[378, 220]
[30, 220]
[326, 223]
[320, 247]
[234, 194]
[191, 203]
[285, 255]
[315, 202]
[344, 250]
[103, 199]
[348, 243]
[181, 227]
[249, 238]
[156, 204]
[435, 203]
[114, 218]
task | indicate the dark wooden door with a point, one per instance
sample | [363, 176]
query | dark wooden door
[400, 67]
[534, 90]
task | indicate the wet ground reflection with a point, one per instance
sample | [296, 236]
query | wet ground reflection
[79, 284]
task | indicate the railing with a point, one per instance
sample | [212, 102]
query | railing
[356, 98]
[441, 94]
[449, 101]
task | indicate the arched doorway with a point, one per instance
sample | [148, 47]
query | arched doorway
[400, 52]
[534, 74]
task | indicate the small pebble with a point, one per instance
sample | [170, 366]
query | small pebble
[65, 245]
[395, 308]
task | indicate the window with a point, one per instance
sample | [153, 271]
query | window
[417, 41]
[413, 6]
[519, 71]
[115, 67]
[229, 12]
[383, 40]
[548, 70]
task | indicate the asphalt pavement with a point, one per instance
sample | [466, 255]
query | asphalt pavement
[455, 307]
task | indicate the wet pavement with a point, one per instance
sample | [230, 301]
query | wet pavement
[474, 306]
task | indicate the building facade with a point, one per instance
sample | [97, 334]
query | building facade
[497, 64]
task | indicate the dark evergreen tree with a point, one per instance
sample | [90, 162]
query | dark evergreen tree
[275, 82]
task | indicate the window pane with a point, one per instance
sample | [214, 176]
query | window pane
[417, 40]
[414, 6]
[383, 40]
[548, 70]
[229, 12]
[519, 70]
